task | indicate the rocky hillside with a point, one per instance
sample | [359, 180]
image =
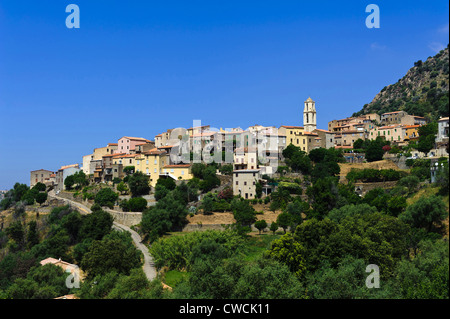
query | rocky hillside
[423, 91]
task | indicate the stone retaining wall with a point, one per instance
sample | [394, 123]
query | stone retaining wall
[128, 219]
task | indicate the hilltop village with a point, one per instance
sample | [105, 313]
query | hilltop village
[253, 152]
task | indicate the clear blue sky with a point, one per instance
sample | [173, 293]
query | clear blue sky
[137, 68]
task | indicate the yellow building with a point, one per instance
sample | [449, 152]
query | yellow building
[178, 171]
[150, 163]
[412, 132]
[295, 135]
[124, 159]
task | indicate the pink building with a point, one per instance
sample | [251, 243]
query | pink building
[128, 144]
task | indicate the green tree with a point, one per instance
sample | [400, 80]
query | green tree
[267, 279]
[289, 252]
[396, 205]
[41, 198]
[374, 151]
[32, 234]
[40, 187]
[411, 182]
[323, 196]
[128, 170]
[122, 188]
[427, 136]
[425, 213]
[16, 232]
[160, 191]
[207, 204]
[295, 211]
[243, 212]
[110, 254]
[80, 179]
[424, 277]
[106, 197]
[137, 204]
[273, 227]
[168, 183]
[347, 281]
[138, 184]
[95, 225]
[69, 182]
[155, 223]
[338, 214]
[136, 286]
[284, 220]
[260, 225]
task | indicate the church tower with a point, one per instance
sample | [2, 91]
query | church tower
[309, 115]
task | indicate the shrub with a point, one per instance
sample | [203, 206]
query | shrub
[137, 204]
[106, 197]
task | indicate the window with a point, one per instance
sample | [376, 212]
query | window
[137, 162]
[171, 170]
[146, 162]
[146, 170]
[254, 183]
[155, 161]
[182, 172]
[237, 183]
[245, 183]
[131, 161]
[155, 170]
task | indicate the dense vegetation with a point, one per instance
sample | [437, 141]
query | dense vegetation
[323, 239]
[85, 240]
[423, 91]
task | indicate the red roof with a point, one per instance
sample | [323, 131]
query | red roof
[296, 127]
[178, 166]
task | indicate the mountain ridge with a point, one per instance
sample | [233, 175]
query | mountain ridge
[423, 91]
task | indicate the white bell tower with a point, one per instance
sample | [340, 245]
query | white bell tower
[309, 115]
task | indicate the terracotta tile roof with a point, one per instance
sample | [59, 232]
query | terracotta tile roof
[134, 138]
[154, 151]
[118, 154]
[38, 170]
[112, 144]
[320, 130]
[177, 166]
[293, 127]
[391, 112]
[69, 166]
[443, 119]
[204, 134]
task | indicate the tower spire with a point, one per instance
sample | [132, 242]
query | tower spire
[309, 115]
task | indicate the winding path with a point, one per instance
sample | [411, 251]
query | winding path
[149, 266]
